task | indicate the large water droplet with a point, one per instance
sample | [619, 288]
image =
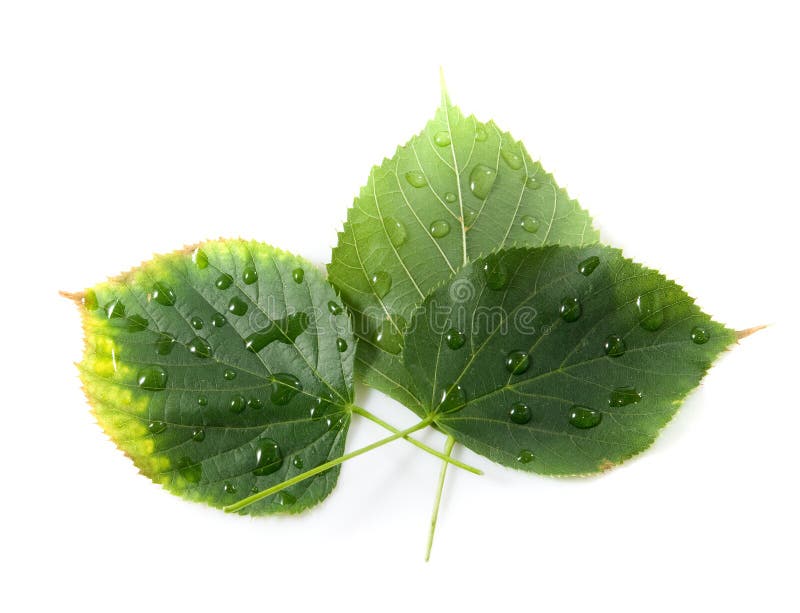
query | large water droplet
[700, 335]
[341, 345]
[396, 231]
[651, 314]
[163, 294]
[190, 470]
[584, 417]
[284, 330]
[165, 344]
[284, 388]
[450, 197]
[495, 272]
[285, 499]
[200, 258]
[218, 320]
[89, 300]
[249, 275]
[237, 306]
[381, 283]
[455, 339]
[268, 457]
[529, 224]
[255, 403]
[517, 362]
[520, 413]
[416, 178]
[614, 346]
[388, 338]
[224, 281]
[237, 404]
[298, 274]
[439, 228]
[197, 322]
[511, 158]
[229, 374]
[570, 309]
[199, 435]
[156, 427]
[202, 401]
[137, 323]
[115, 309]
[199, 347]
[481, 180]
[587, 266]
[335, 309]
[442, 138]
[153, 378]
[453, 399]
[623, 396]
[525, 456]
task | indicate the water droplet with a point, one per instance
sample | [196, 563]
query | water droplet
[455, 339]
[442, 138]
[517, 362]
[334, 308]
[115, 309]
[587, 266]
[249, 275]
[199, 347]
[156, 427]
[495, 272]
[480, 133]
[199, 435]
[255, 403]
[202, 401]
[200, 258]
[469, 217]
[163, 294]
[297, 462]
[529, 224]
[651, 314]
[321, 404]
[388, 337]
[284, 330]
[229, 374]
[531, 182]
[453, 399]
[298, 274]
[284, 388]
[190, 470]
[381, 283]
[396, 231]
[165, 344]
[218, 320]
[341, 345]
[416, 178]
[481, 180]
[513, 160]
[237, 404]
[224, 281]
[153, 378]
[336, 424]
[525, 456]
[623, 396]
[584, 417]
[520, 413]
[229, 488]
[700, 335]
[268, 457]
[89, 300]
[137, 323]
[570, 309]
[614, 346]
[285, 499]
[237, 306]
[197, 322]
[439, 228]
[450, 197]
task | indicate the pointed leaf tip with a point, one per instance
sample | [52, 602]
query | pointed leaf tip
[740, 334]
[443, 86]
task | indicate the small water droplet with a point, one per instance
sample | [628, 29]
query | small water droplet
[284, 388]
[199, 435]
[341, 345]
[229, 488]
[137, 323]
[455, 339]
[165, 344]
[469, 217]
[416, 178]
[115, 309]
[495, 272]
[321, 404]
[513, 160]
[439, 228]
[237, 306]
[229, 374]
[200, 258]
[218, 320]
[442, 138]
[450, 197]
[89, 300]
[237, 404]
[163, 294]
[520, 413]
[197, 322]
[481, 180]
[255, 403]
[651, 314]
[199, 347]
[190, 470]
[268, 457]
[388, 337]
[623, 396]
[249, 275]
[156, 427]
[529, 224]
[284, 330]
[297, 462]
[381, 283]
[584, 417]
[587, 266]
[298, 274]
[531, 182]
[202, 401]
[517, 362]
[614, 346]
[396, 231]
[480, 133]
[700, 335]
[335, 309]
[285, 499]
[336, 424]
[153, 378]
[224, 281]
[453, 399]
[570, 309]
[525, 456]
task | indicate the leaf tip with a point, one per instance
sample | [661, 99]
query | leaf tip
[443, 87]
[740, 334]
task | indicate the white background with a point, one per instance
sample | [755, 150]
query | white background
[138, 127]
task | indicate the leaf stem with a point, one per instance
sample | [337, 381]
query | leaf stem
[374, 418]
[237, 506]
[448, 449]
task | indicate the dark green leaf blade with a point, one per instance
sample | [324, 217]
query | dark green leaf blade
[572, 360]
[220, 370]
[458, 190]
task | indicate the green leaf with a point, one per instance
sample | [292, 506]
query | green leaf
[458, 190]
[558, 360]
[221, 371]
